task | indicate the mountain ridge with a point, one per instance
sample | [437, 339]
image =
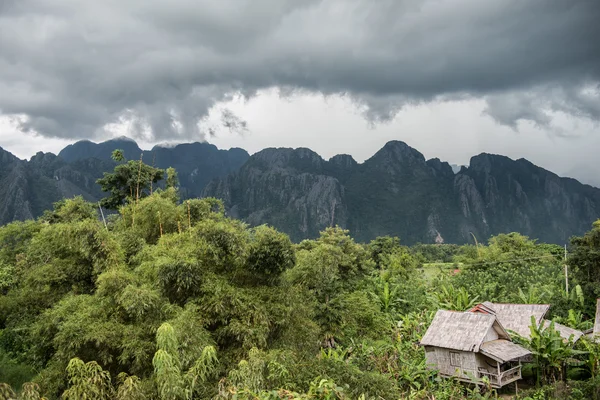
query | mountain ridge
[28, 187]
[396, 191]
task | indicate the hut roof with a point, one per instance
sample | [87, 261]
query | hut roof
[463, 331]
[565, 331]
[503, 350]
[514, 317]
[485, 307]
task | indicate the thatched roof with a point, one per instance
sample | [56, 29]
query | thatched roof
[463, 331]
[565, 331]
[503, 350]
[514, 317]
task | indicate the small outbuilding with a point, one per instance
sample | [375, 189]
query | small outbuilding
[594, 333]
[517, 318]
[472, 346]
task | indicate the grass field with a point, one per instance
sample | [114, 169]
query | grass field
[431, 270]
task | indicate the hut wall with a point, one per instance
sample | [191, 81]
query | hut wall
[430, 357]
[452, 362]
[492, 334]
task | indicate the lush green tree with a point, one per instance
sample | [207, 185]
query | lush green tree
[511, 265]
[270, 253]
[137, 309]
[131, 180]
[118, 155]
[382, 246]
[584, 262]
[172, 178]
[14, 241]
[87, 381]
[173, 380]
[71, 210]
[332, 270]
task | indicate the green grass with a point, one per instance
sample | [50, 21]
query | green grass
[431, 270]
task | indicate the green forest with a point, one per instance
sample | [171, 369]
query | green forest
[164, 298]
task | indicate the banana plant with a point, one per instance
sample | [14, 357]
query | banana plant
[551, 353]
[451, 298]
[592, 361]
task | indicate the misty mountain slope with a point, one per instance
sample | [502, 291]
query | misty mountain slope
[86, 149]
[395, 192]
[27, 188]
[289, 189]
[196, 163]
[520, 196]
[398, 192]
[30, 187]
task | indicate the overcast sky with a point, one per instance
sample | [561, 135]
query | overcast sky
[452, 78]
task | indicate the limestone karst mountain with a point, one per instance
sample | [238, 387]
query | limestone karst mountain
[395, 192]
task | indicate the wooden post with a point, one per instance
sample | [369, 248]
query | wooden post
[499, 376]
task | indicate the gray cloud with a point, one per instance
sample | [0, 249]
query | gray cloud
[72, 67]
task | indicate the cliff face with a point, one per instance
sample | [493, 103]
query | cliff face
[397, 192]
[507, 195]
[289, 189]
[27, 188]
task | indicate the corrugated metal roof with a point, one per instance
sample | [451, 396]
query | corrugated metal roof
[565, 331]
[463, 331]
[516, 317]
[503, 350]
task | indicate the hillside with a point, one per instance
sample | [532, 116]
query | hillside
[27, 188]
[398, 192]
[395, 192]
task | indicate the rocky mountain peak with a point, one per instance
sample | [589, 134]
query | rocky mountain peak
[396, 152]
[103, 151]
[485, 162]
[302, 159]
[343, 161]
[7, 157]
[440, 167]
[396, 192]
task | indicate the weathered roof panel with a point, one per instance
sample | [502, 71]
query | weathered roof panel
[565, 331]
[503, 350]
[463, 331]
[515, 317]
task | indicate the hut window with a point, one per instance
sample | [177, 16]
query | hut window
[454, 359]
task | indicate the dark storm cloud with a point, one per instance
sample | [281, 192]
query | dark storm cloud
[73, 66]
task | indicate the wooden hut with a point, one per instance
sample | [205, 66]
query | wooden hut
[594, 333]
[517, 318]
[472, 346]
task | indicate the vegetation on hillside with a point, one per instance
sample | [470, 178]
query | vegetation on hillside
[174, 300]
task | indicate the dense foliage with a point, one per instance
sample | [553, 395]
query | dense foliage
[174, 300]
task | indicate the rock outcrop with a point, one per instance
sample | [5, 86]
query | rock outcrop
[27, 188]
[398, 192]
